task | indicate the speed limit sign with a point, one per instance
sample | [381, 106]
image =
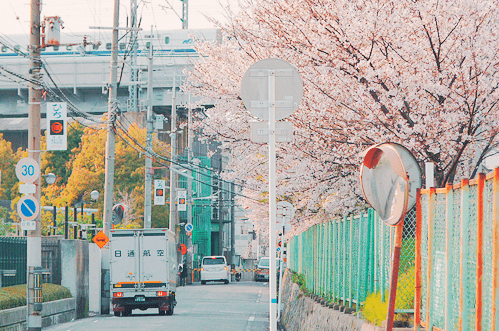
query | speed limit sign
[27, 170]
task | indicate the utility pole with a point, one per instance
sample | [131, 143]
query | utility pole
[220, 214]
[232, 224]
[185, 14]
[148, 166]
[189, 186]
[173, 146]
[110, 154]
[34, 240]
[133, 89]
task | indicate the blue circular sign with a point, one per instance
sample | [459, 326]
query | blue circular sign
[28, 208]
[188, 227]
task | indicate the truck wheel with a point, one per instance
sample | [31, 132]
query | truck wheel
[203, 282]
[162, 312]
[226, 281]
[169, 312]
[117, 313]
[238, 277]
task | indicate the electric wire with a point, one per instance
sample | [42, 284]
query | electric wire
[157, 157]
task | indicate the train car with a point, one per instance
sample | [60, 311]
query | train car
[99, 43]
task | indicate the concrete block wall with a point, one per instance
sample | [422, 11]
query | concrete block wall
[54, 312]
[302, 313]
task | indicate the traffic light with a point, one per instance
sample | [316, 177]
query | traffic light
[118, 213]
[56, 127]
[159, 192]
[181, 199]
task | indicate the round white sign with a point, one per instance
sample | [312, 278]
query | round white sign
[27, 170]
[288, 88]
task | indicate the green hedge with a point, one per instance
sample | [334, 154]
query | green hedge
[15, 296]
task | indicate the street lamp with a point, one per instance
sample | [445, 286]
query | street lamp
[50, 178]
[94, 195]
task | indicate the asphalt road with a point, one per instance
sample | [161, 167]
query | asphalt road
[240, 306]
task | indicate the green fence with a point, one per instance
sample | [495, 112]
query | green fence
[458, 256]
[13, 257]
[345, 260]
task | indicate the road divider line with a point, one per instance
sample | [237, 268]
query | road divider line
[251, 318]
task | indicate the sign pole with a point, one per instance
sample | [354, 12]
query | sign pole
[272, 204]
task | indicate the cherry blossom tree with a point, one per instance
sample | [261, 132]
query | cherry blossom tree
[420, 73]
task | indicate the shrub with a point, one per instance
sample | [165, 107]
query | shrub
[15, 296]
[374, 310]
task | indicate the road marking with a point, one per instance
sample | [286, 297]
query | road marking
[259, 296]
[96, 321]
[251, 318]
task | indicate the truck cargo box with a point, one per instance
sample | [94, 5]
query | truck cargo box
[143, 270]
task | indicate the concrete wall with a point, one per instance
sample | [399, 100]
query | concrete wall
[94, 279]
[75, 273]
[54, 312]
[300, 312]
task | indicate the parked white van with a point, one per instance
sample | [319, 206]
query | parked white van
[214, 268]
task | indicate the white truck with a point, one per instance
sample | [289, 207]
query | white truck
[143, 270]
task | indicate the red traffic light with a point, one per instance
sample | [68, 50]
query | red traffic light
[159, 192]
[56, 127]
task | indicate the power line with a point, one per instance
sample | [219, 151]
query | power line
[158, 157]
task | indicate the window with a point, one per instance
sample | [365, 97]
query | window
[4, 49]
[167, 40]
[17, 48]
[213, 260]
[148, 44]
[108, 46]
[95, 47]
[68, 48]
[122, 46]
[264, 262]
[56, 48]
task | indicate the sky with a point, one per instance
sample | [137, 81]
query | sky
[80, 15]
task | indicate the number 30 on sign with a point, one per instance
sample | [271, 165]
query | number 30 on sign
[27, 170]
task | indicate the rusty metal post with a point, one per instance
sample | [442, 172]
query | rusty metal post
[399, 229]
[479, 252]
[449, 275]
[417, 290]
[431, 220]
[495, 251]
[463, 291]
